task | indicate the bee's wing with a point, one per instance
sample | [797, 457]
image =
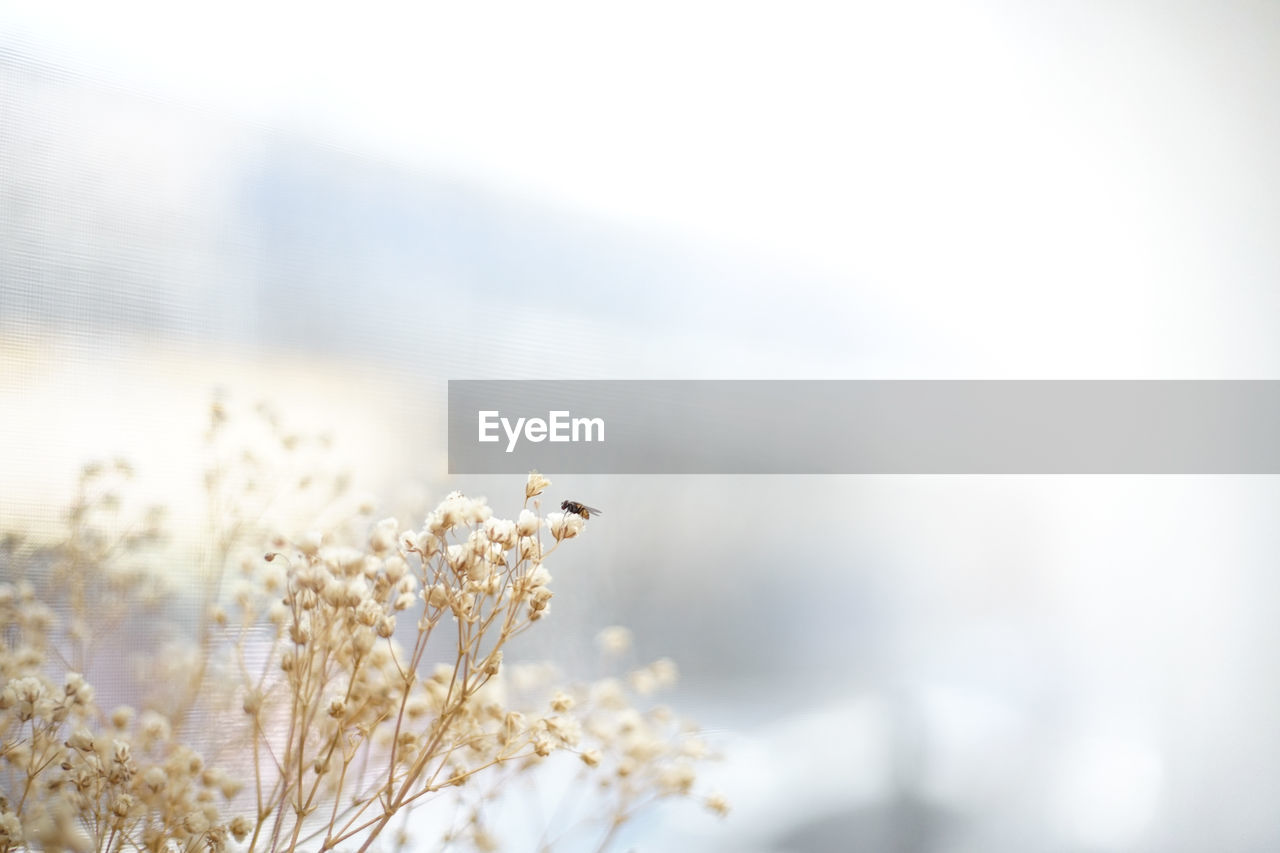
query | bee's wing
[592, 510]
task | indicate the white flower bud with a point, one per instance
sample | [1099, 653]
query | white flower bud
[614, 640]
[309, 542]
[437, 595]
[564, 525]
[155, 778]
[501, 531]
[396, 568]
[535, 485]
[368, 612]
[527, 523]
[383, 536]
[677, 778]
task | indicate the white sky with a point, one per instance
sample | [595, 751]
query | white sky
[1101, 171]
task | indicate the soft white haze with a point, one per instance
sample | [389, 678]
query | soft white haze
[1074, 187]
[340, 206]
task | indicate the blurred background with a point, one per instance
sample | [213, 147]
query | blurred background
[339, 209]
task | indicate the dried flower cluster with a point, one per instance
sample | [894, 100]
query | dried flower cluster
[338, 684]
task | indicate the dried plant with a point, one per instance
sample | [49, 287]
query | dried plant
[352, 674]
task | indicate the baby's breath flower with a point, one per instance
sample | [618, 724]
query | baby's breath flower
[718, 804]
[344, 696]
[464, 609]
[10, 829]
[540, 599]
[412, 540]
[643, 681]
[309, 542]
[644, 748]
[79, 690]
[608, 693]
[343, 560]
[694, 747]
[530, 548]
[458, 557]
[311, 577]
[230, 787]
[334, 593]
[539, 577]
[154, 778]
[300, 632]
[665, 672]
[240, 827]
[383, 536]
[478, 511]
[195, 822]
[437, 595]
[493, 663]
[527, 523]
[566, 730]
[677, 778]
[122, 805]
[477, 569]
[154, 726]
[25, 694]
[395, 568]
[535, 485]
[440, 521]
[564, 525]
[501, 532]
[121, 717]
[630, 721]
[368, 612]
[614, 640]
[81, 740]
[362, 640]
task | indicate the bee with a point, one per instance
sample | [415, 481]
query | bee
[579, 509]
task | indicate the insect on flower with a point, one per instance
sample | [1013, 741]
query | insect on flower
[579, 509]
